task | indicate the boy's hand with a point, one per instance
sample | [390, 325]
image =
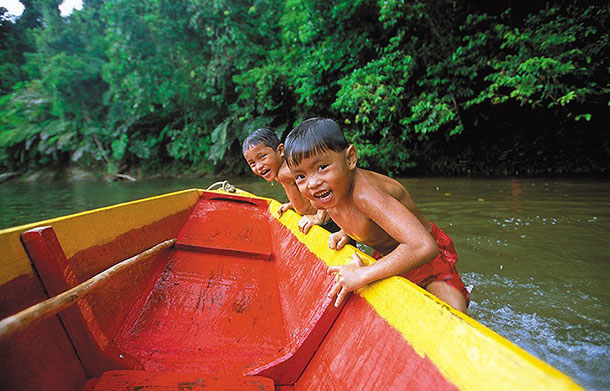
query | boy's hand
[307, 222]
[283, 208]
[349, 278]
[337, 240]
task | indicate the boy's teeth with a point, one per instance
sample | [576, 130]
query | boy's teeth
[323, 194]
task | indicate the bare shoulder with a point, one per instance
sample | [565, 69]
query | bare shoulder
[377, 192]
[373, 187]
[284, 176]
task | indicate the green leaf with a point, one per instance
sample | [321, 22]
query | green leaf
[587, 117]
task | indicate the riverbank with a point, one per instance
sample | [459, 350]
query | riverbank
[82, 174]
[443, 168]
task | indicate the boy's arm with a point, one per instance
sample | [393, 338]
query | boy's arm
[299, 202]
[416, 246]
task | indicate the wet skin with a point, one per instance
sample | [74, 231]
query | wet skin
[375, 210]
[269, 164]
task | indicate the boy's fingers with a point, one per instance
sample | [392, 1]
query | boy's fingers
[341, 243]
[306, 227]
[283, 208]
[332, 242]
[340, 297]
[334, 269]
[334, 290]
[357, 260]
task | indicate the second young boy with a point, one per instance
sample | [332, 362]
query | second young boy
[265, 156]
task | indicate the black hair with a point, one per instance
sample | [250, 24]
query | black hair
[261, 135]
[313, 136]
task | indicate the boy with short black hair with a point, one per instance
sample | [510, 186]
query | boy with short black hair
[264, 153]
[372, 209]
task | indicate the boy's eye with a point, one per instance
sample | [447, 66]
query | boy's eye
[299, 177]
[322, 166]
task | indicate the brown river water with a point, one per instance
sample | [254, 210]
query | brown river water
[535, 253]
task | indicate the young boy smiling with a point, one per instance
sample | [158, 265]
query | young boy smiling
[265, 156]
[372, 209]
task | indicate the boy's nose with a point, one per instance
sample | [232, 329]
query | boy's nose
[313, 182]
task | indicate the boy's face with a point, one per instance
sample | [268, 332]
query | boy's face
[265, 161]
[326, 178]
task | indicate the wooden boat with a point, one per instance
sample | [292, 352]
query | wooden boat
[237, 302]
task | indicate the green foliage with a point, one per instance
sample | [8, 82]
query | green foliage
[15, 40]
[322, 42]
[372, 98]
[30, 135]
[58, 115]
[549, 62]
[152, 83]
[192, 72]
[546, 64]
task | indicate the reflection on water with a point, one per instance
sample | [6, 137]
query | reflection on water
[535, 252]
[22, 203]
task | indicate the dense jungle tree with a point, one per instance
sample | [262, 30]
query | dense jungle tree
[57, 115]
[420, 87]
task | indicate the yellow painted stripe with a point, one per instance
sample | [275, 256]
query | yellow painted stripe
[468, 354]
[83, 230]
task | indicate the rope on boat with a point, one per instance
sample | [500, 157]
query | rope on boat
[222, 185]
[58, 303]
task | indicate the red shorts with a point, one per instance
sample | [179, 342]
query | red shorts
[441, 268]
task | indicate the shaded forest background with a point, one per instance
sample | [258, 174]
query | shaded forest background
[422, 87]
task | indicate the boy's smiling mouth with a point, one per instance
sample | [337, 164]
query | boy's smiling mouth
[265, 172]
[323, 196]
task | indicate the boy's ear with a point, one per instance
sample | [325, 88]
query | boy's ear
[351, 155]
[280, 149]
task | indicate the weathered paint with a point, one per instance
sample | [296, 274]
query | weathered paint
[208, 313]
[227, 224]
[140, 380]
[467, 354]
[91, 343]
[308, 313]
[228, 302]
[40, 357]
[363, 352]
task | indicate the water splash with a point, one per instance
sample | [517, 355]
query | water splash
[565, 342]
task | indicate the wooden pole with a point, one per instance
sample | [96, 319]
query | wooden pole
[55, 304]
